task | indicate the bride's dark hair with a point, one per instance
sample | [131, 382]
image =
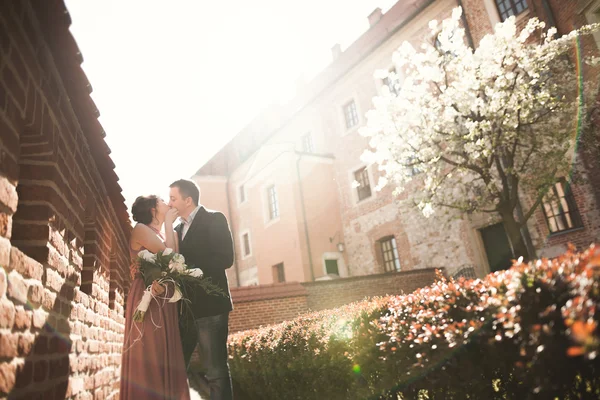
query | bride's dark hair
[141, 210]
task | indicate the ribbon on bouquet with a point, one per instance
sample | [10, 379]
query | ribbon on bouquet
[147, 297]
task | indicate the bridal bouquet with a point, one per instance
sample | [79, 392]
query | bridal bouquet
[167, 267]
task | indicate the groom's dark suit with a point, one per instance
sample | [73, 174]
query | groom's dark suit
[208, 245]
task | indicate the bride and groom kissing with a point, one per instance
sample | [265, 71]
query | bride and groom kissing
[155, 364]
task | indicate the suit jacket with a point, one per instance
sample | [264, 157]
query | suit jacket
[208, 245]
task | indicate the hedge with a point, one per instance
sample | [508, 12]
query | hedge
[528, 332]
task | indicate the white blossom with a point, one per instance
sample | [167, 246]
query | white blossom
[176, 266]
[167, 251]
[468, 120]
[195, 272]
[178, 258]
[147, 256]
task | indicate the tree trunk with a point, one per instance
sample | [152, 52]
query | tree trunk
[515, 238]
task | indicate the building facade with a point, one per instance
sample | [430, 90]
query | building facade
[303, 206]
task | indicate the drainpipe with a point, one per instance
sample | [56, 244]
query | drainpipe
[235, 259]
[306, 235]
[549, 13]
[466, 24]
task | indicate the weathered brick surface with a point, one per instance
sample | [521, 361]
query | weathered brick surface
[256, 306]
[56, 340]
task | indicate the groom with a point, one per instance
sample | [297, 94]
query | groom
[205, 242]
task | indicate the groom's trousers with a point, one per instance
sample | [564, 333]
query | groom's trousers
[211, 334]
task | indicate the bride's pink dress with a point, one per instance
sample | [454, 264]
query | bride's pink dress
[153, 366]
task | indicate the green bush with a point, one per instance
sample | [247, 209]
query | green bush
[528, 332]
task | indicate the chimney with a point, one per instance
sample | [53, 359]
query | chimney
[375, 16]
[336, 51]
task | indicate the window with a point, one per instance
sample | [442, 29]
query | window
[278, 273]
[465, 272]
[307, 143]
[273, 203]
[363, 189]
[389, 252]
[331, 267]
[246, 244]
[592, 14]
[560, 208]
[350, 114]
[242, 194]
[508, 8]
[392, 82]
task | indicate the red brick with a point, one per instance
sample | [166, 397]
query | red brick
[22, 319]
[25, 344]
[48, 299]
[5, 225]
[3, 281]
[40, 346]
[8, 345]
[7, 313]
[39, 318]
[35, 294]
[7, 376]
[25, 372]
[17, 288]
[40, 371]
[16, 88]
[8, 194]
[9, 139]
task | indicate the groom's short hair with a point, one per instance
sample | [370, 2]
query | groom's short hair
[187, 188]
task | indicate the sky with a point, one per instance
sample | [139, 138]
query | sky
[175, 81]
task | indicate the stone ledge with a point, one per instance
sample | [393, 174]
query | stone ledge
[423, 271]
[265, 292]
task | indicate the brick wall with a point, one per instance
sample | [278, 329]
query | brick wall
[323, 295]
[63, 224]
[269, 304]
[266, 304]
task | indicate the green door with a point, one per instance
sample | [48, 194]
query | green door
[331, 267]
[497, 248]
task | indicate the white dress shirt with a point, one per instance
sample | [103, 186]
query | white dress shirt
[188, 222]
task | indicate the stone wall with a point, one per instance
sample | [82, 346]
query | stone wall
[63, 224]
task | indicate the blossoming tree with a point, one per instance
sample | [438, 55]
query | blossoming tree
[479, 126]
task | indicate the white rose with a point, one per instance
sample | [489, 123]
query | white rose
[146, 255]
[195, 272]
[167, 251]
[178, 258]
[175, 266]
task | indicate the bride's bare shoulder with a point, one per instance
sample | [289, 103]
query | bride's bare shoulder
[141, 229]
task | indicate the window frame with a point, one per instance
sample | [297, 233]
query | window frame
[272, 208]
[393, 251]
[513, 4]
[245, 254]
[355, 117]
[242, 194]
[560, 216]
[364, 174]
[279, 273]
[308, 144]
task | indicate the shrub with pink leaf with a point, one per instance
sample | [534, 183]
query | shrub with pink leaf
[528, 332]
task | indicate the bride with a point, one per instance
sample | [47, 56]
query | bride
[152, 362]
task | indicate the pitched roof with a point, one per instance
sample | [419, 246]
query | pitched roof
[276, 117]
